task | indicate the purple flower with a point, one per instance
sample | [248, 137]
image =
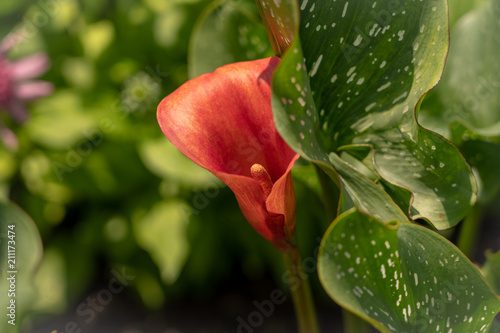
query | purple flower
[17, 86]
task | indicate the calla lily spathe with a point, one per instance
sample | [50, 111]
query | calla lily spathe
[223, 121]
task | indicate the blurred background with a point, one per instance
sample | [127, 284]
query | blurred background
[136, 238]
[109, 194]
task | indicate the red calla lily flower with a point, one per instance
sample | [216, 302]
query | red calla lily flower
[223, 121]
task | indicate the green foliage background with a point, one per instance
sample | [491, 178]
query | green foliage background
[96, 174]
[103, 185]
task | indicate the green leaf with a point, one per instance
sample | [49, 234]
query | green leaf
[21, 247]
[367, 196]
[470, 88]
[162, 233]
[228, 31]
[163, 159]
[483, 154]
[367, 65]
[495, 327]
[403, 277]
[484, 157]
[60, 120]
[491, 270]
[467, 98]
[459, 8]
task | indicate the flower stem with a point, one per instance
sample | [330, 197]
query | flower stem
[301, 293]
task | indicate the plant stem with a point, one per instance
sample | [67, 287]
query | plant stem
[354, 324]
[469, 230]
[301, 293]
[331, 196]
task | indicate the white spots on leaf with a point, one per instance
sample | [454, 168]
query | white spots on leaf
[398, 302]
[351, 70]
[382, 270]
[372, 31]
[301, 101]
[351, 79]
[382, 65]
[358, 40]
[357, 291]
[368, 291]
[360, 81]
[400, 97]
[304, 4]
[345, 9]
[401, 35]
[371, 106]
[383, 87]
[334, 78]
[316, 65]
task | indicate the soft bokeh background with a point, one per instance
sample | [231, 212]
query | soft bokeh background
[109, 193]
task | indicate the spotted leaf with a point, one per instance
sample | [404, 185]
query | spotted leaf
[403, 277]
[364, 193]
[355, 78]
